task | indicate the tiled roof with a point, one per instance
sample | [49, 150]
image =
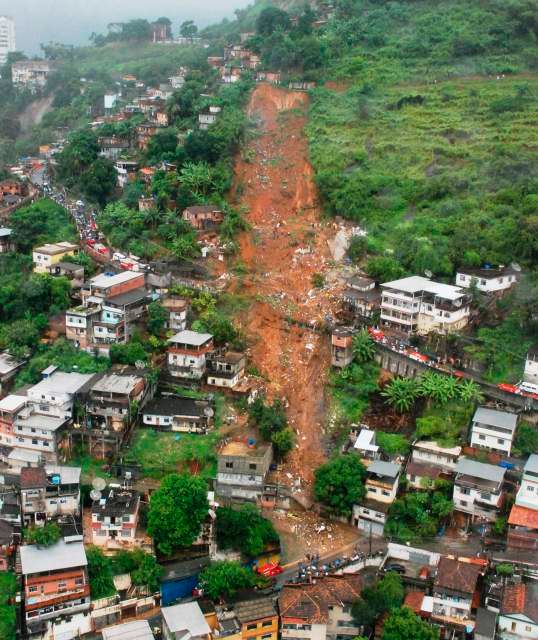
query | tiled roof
[521, 598]
[310, 602]
[254, 609]
[524, 517]
[33, 477]
[423, 470]
[457, 575]
[414, 600]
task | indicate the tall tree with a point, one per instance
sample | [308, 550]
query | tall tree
[223, 579]
[401, 393]
[271, 19]
[188, 29]
[176, 512]
[339, 483]
[403, 624]
[363, 346]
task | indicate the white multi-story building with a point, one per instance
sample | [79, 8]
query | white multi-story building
[493, 430]
[519, 612]
[531, 365]
[381, 488]
[478, 489]
[429, 461]
[489, 280]
[454, 587]
[31, 74]
[187, 354]
[523, 520]
[208, 116]
[419, 305]
[7, 38]
[115, 518]
[320, 610]
[39, 427]
[49, 492]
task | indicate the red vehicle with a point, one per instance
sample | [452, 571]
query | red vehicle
[103, 250]
[270, 570]
[90, 242]
[509, 388]
[415, 355]
[376, 334]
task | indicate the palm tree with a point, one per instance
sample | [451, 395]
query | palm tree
[469, 391]
[363, 346]
[438, 387]
[401, 393]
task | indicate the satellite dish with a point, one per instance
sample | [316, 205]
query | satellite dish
[95, 495]
[99, 484]
[428, 273]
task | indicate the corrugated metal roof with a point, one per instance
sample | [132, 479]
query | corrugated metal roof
[495, 418]
[58, 556]
[482, 470]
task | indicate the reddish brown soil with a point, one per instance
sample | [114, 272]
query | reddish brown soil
[274, 181]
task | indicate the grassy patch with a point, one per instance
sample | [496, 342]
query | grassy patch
[426, 177]
[447, 425]
[162, 453]
[90, 468]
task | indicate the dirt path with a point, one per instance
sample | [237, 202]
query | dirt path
[285, 247]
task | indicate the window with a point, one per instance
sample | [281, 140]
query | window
[252, 466]
[79, 581]
[267, 636]
[34, 440]
[267, 623]
[32, 589]
[229, 465]
[528, 627]
[366, 511]
[250, 627]
[481, 437]
[500, 441]
[463, 503]
[385, 492]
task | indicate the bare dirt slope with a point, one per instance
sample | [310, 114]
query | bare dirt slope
[286, 245]
[34, 112]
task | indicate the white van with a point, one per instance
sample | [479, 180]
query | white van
[528, 387]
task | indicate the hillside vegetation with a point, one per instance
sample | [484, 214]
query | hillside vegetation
[430, 145]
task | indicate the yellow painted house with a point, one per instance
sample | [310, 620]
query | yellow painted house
[258, 619]
[50, 254]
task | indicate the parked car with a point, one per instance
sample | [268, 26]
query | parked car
[270, 570]
[397, 568]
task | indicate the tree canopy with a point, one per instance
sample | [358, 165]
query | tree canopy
[244, 529]
[223, 579]
[339, 483]
[385, 595]
[176, 512]
[403, 624]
